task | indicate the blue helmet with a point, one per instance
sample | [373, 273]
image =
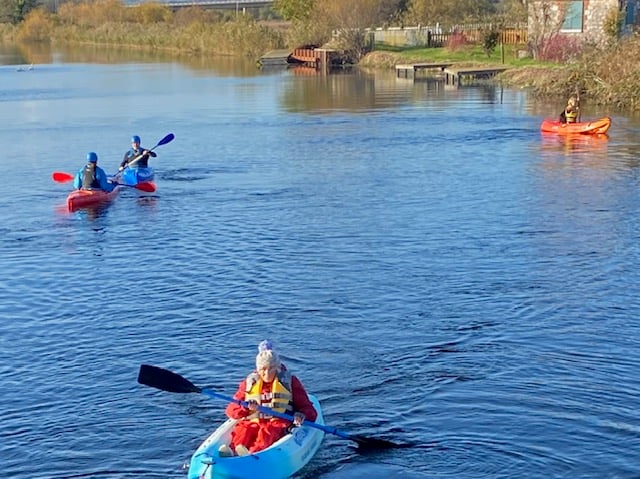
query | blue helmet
[92, 157]
[135, 139]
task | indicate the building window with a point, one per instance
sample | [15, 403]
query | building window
[573, 17]
[630, 14]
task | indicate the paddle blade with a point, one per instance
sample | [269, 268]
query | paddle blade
[61, 177]
[166, 139]
[374, 444]
[165, 380]
[147, 186]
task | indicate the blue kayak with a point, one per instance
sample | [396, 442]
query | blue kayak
[281, 460]
[133, 176]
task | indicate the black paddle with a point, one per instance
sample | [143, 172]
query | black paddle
[169, 381]
[164, 141]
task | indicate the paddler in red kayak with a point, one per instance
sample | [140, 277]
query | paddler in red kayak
[92, 177]
[571, 111]
[270, 386]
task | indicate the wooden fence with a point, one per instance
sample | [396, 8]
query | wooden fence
[426, 36]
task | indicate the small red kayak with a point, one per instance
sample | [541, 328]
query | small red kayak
[84, 198]
[595, 127]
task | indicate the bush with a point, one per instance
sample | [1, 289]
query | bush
[148, 13]
[36, 27]
[560, 49]
[490, 41]
[190, 15]
[612, 25]
[456, 41]
[92, 14]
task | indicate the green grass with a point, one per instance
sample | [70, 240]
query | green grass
[464, 54]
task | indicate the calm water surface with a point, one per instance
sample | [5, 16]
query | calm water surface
[436, 272]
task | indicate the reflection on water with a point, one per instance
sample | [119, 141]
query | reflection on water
[571, 144]
[356, 90]
[90, 213]
[42, 53]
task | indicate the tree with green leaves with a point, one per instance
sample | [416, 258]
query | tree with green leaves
[427, 12]
[294, 10]
[15, 11]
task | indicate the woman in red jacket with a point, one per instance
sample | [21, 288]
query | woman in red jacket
[269, 386]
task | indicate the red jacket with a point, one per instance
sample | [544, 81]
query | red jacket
[301, 401]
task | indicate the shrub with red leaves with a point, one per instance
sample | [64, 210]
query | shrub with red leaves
[456, 40]
[561, 49]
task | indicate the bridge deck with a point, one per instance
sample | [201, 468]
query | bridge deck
[221, 4]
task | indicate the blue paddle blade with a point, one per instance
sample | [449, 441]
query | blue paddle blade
[166, 139]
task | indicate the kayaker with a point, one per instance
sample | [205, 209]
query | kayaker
[571, 111]
[136, 156]
[268, 386]
[92, 177]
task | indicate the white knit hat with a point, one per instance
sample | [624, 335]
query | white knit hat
[267, 358]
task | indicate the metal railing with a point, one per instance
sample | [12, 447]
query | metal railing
[207, 3]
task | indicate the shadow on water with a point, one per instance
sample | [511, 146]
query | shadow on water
[372, 471]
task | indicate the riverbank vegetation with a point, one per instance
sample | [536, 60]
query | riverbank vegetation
[149, 25]
[604, 77]
[554, 65]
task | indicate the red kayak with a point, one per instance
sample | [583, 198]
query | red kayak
[595, 127]
[83, 198]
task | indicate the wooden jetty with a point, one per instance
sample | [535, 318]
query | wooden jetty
[409, 71]
[319, 58]
[275, 58]
[453, 75]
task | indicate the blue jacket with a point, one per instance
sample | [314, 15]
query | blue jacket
[100, 182]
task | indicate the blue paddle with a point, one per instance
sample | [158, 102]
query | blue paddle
[169, 381]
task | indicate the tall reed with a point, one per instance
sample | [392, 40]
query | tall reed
[150, 25]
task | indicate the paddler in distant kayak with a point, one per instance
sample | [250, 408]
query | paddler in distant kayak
[571, 111]
[272, 386]
[92, 177]
[137, 156]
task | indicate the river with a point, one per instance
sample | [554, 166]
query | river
[437, 272]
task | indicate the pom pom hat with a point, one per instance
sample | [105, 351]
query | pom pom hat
[268, 359]
[265, 345]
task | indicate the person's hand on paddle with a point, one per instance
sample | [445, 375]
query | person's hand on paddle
[298, 418]
[252, 405]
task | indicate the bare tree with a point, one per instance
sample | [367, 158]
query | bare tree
[545, 21]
